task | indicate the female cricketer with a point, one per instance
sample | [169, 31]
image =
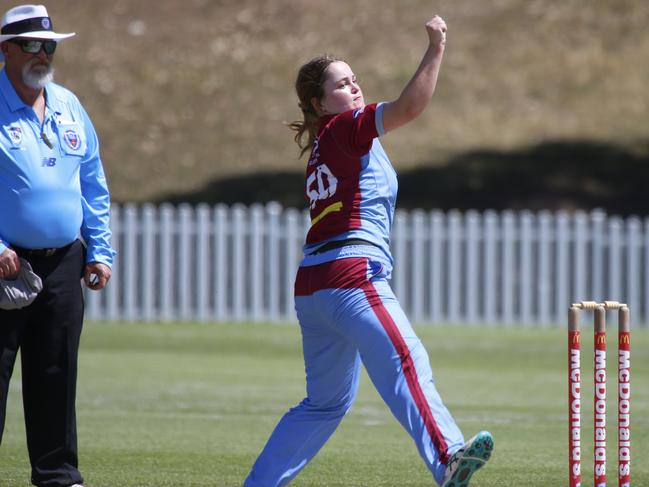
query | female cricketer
[347, 311]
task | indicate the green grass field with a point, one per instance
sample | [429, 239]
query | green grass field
[192, 405]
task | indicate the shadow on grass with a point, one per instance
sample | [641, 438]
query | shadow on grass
[552, 175]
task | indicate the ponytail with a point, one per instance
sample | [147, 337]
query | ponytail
[308, 127]
[308, 85]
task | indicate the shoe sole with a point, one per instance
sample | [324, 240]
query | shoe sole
[475, 456]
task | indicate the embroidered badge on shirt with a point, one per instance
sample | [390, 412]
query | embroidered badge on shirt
[72, 139]
[16, 135]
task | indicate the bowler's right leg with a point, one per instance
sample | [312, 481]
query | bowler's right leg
[332, 367]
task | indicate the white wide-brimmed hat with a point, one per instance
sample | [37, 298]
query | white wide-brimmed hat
[29, 21]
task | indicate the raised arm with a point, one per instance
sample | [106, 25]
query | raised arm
[419, 90]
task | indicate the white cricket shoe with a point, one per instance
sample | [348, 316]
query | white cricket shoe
[464, 462]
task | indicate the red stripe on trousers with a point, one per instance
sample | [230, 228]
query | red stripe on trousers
[408, 369]
[351, 273]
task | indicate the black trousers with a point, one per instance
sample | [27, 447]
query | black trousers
[47, 332]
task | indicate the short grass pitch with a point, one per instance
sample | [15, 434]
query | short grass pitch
[192, 405]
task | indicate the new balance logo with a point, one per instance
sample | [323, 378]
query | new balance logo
[48, 162]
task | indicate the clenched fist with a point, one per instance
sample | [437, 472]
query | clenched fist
[436, 28]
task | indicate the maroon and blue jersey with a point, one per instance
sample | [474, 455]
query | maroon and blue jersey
[351, 185]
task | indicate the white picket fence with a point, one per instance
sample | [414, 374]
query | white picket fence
[238, 263]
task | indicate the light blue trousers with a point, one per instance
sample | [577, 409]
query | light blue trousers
[348, 314]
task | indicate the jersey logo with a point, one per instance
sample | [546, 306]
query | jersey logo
[48, 162]
[315, 153]
[320, 185]
[16, 135]
[72, 139]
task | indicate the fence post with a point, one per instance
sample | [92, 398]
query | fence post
[490, 277]
[615, 266]
[597, 262]
[112, 309]
[167, 267]
[436, 269]
[544, 289]
[221, 268]
[526, 282]
[417, 266]
[239, 267]
[131, 263]
[273, 212]
[562, 273]
[580, 252]
[256, 271]
[508, 269]
[148, 267]
[633, 268]
[454, 275]
[203, 264]
[399, 246]
[472, 270]
[645, 270]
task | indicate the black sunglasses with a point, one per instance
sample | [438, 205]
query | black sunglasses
[33, 46]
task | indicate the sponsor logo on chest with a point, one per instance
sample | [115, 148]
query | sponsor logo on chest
[15, 135]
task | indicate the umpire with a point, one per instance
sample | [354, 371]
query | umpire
[54, 213]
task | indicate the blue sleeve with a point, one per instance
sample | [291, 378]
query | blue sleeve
[95, 200]
[3, 244]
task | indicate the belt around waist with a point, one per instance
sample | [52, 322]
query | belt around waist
[39, 252]
[335, 244]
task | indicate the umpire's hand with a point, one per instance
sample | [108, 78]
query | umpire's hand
[9, 264]
[96, 275]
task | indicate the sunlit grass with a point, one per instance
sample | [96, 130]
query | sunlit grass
[192, 405]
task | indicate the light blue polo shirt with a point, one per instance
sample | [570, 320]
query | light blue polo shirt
[52, 187]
